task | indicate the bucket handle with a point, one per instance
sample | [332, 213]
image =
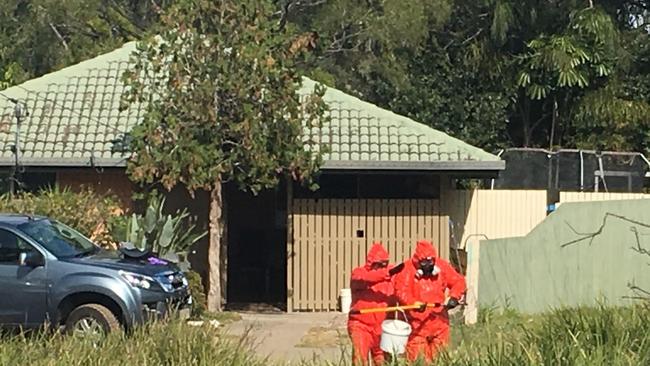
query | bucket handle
[403, 314]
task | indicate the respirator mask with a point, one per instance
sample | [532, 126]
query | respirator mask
[427, 267]
[379, 265]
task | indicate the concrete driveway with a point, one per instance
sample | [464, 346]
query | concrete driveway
[297, 336]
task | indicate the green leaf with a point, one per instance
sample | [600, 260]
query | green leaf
[150, 219]
[167, 234]
[524, 79]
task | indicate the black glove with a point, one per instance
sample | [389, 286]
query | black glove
[397, 269]
[422, 308]
[451, 303]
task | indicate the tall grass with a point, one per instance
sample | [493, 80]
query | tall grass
[582, 336]
[578, 336]
[159, 344]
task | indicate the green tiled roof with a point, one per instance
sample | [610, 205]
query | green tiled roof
[74, 117]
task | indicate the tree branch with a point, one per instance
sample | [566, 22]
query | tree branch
[639, 249]
[472, 37]
[592, 236]
[59, 36]
[340, 41]
[641, 293]
[539, 120]
[292, 4]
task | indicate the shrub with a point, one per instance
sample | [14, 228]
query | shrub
[159, 232]
[199, 302]
[86, 211]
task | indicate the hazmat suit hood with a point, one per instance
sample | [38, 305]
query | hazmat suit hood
[423, 249]
[377, 253]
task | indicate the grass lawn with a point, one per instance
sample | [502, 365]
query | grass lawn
[581, 336]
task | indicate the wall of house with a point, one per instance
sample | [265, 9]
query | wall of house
[583, 253]
[114, 181]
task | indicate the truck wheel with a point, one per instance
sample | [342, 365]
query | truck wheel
[91, 321]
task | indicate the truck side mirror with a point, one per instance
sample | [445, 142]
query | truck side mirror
[31, 259]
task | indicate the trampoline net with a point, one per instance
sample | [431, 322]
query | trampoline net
[571, 170]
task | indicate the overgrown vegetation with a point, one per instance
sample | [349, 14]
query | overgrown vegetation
[572, 336]
[580, 336]
[197, 290]
[159, 344]
[95, 216]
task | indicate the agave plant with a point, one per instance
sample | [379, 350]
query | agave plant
[162, 233]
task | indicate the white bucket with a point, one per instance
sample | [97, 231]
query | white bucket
[346, 300]
[394, 335]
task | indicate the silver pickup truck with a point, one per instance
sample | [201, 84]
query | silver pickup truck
[51, 274]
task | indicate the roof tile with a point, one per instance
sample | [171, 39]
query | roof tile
[74, 113]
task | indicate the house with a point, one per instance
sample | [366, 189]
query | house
[384, 178]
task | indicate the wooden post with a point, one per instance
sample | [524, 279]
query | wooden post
[290, 250]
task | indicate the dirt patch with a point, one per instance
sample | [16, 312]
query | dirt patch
[224, 318]
[324, 337]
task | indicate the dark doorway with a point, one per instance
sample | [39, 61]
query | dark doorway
[257, 250]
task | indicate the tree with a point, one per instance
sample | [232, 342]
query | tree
[571, 64]
[40, 36]
[489, 71]
[364, 44]
[220, 89]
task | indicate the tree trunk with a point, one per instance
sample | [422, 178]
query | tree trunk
[224, 248]
[216, 282]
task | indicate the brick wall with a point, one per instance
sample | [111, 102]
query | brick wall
[114, 181]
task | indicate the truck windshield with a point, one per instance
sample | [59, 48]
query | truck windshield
[58, 239]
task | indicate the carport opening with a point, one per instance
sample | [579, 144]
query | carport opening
[257, 250]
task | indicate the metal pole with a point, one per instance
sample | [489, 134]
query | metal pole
[492, 181]
[18, 113]
[582, 172]
[602, 172]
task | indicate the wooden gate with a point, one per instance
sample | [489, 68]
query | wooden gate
[329, 237]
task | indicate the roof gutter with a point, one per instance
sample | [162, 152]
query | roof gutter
[496, 165]
[68, 162]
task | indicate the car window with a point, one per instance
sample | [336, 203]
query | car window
[58, 239]
[11, 246]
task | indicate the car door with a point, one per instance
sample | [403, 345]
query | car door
[23, 288]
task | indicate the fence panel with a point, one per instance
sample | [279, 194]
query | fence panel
[480, 214]
[332, 236]
[599, 196]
